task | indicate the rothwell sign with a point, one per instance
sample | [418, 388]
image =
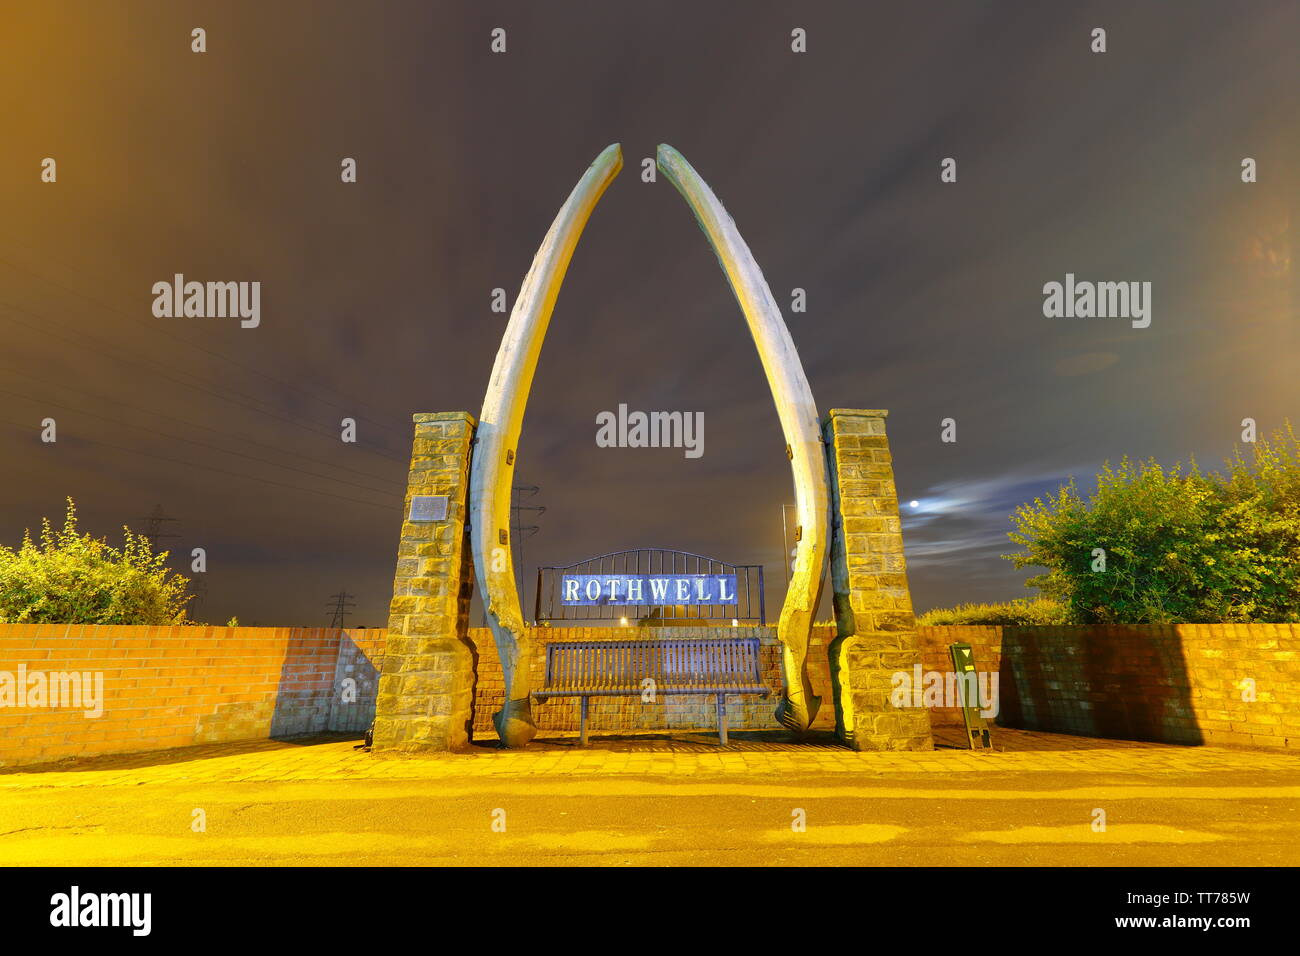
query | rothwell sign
[653, 589]
[650, 582]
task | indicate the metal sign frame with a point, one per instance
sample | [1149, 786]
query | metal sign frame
[749, 605]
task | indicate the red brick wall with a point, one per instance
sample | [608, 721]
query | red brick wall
[174, 686]
[986, 642]
[169, 687]
[1183, 683]
[1172, 684]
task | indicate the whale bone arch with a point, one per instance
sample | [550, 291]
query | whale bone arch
[799, 422]
[501, 421]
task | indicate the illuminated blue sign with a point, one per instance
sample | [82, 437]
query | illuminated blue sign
[647, 589]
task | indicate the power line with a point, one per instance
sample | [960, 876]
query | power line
[188, 424]
[26, 427]
[341, 608]
[192, 441]
[145, 363]
[154, 522]
[191, 344]
[200, 595]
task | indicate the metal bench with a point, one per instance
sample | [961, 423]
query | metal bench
[587, 669]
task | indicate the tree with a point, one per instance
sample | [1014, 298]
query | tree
[74, 578]
[1164, 546]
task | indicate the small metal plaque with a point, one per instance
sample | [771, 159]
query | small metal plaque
[428, 508]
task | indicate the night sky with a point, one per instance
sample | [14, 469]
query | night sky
[923, 297]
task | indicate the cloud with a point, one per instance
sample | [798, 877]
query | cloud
[959, 522]
[1084, 363]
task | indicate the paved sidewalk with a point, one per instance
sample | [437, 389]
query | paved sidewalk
[678, 801]
[334, 757]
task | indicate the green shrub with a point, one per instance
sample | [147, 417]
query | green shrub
[73, 578]
[1022, 612]
[1179, 546]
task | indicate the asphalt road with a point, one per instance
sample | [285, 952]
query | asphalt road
[629, 820]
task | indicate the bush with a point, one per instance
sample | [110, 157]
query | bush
[1021, 612]
[72, 578]
[1179, 546]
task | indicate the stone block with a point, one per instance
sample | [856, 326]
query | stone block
[875, 627]
[425, 694]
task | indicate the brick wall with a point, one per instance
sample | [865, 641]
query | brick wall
[1172, 684]
[169, 687]
[1183, 683]
[985, 642]
[174, 686]
[360, 659]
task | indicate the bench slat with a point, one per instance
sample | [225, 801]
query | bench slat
[676, 666]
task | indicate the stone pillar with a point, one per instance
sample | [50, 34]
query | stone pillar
[426, 690]
[876, 631]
